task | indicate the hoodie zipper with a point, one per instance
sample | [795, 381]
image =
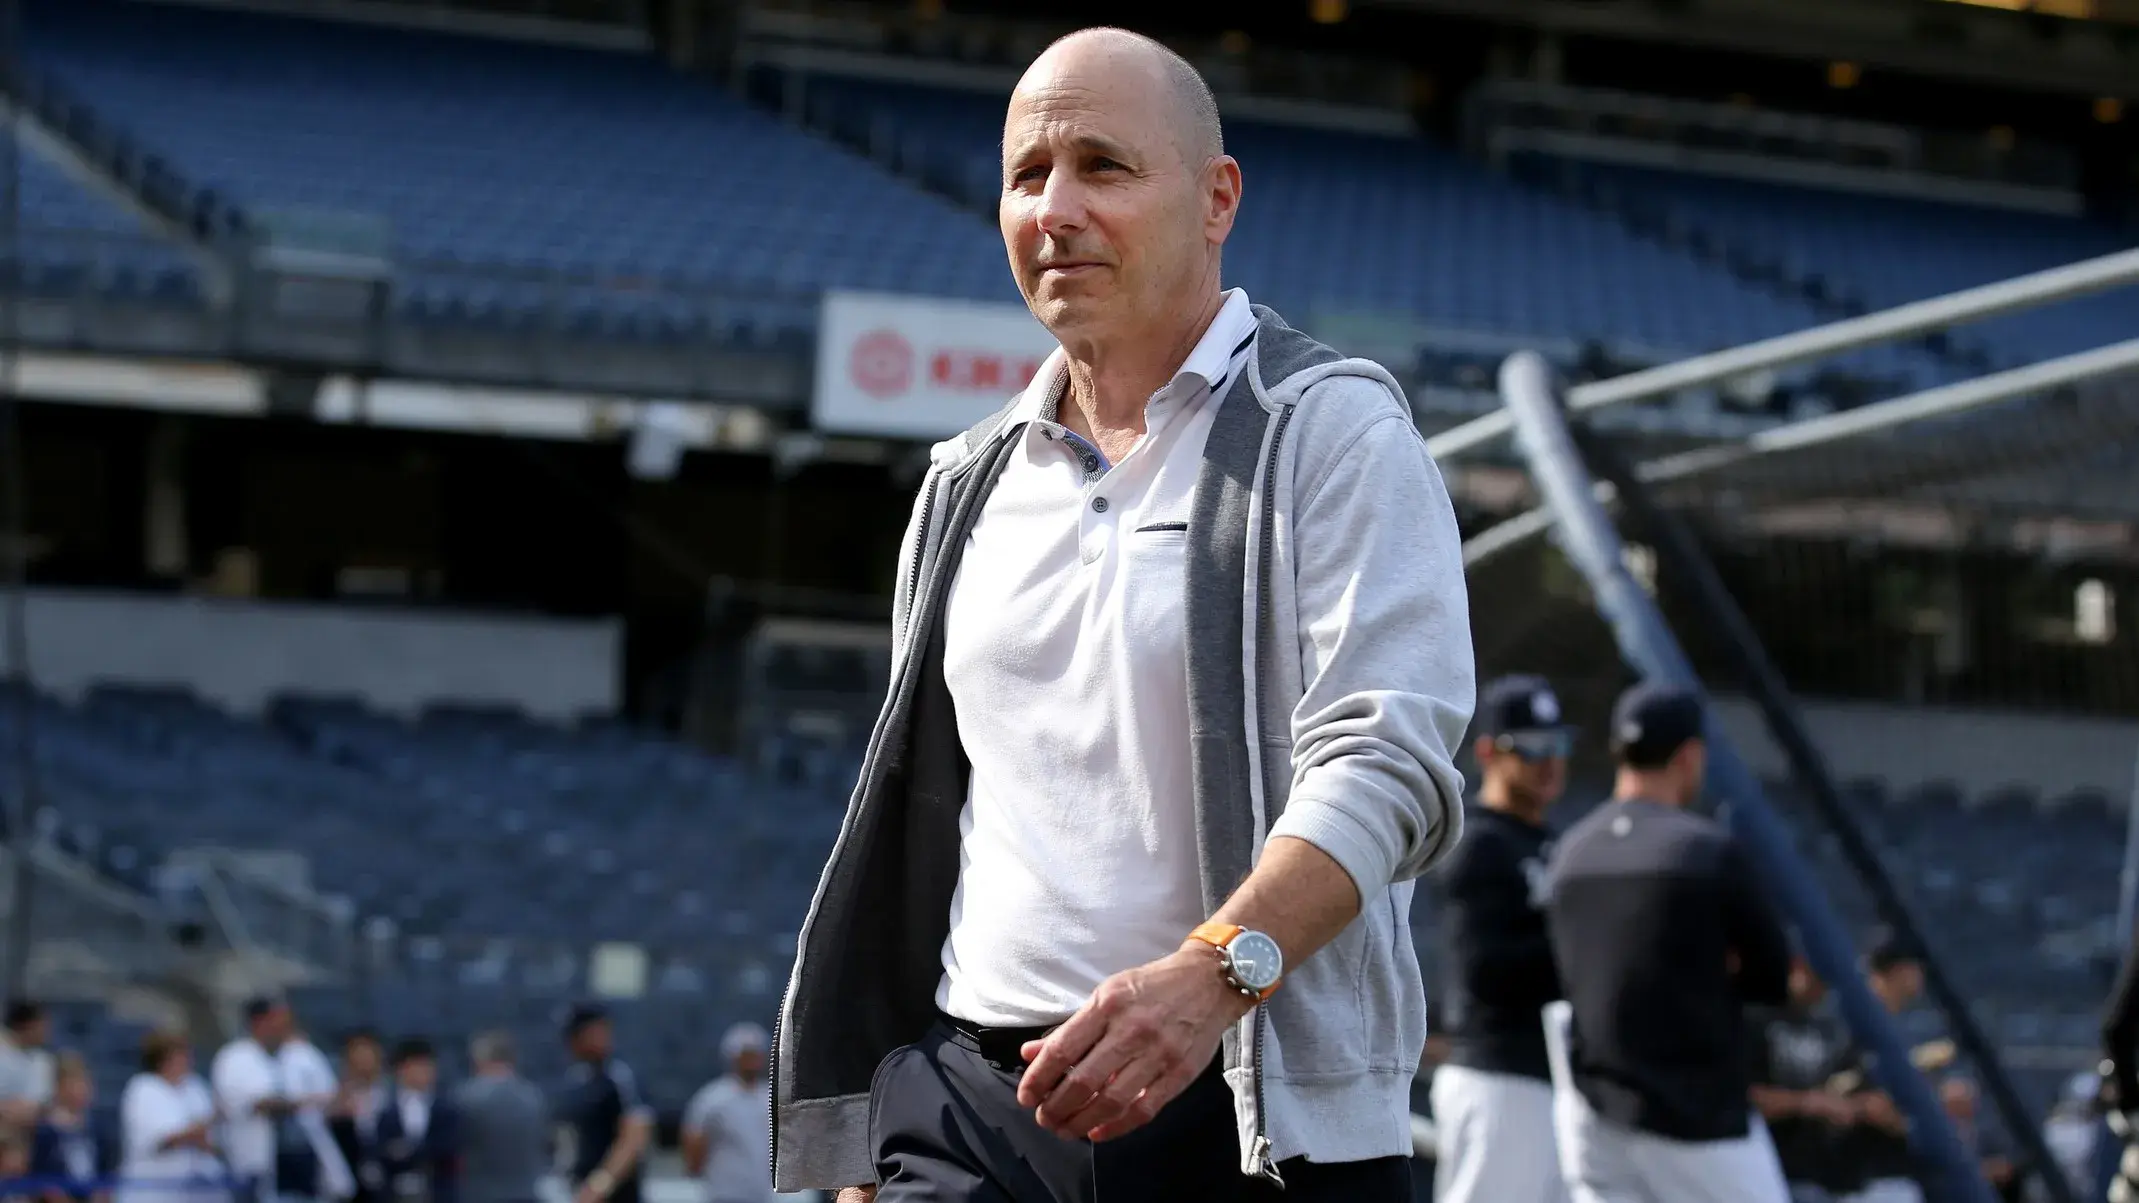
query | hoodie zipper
[772, 1054]
[1259, 1160]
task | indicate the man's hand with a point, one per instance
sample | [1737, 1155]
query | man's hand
[1879, 1111]
[1139, 1042]
[855, 1194]
[1826, 1108]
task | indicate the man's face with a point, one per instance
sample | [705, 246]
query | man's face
[1532, 770]
[35, 1034]
[417, 1075]
[360, 1058]
[1690, 765]
[750, 1065]
[1109, 229]
[593, 1041]
[1806, 988]
[274, 1026]
[1899, 984]
[1958, 1098]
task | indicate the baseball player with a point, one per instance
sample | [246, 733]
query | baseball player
[1492, 1097]
[1662, 937]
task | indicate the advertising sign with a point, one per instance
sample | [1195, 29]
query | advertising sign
[919, 367]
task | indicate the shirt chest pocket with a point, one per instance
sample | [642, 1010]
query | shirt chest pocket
[1150, 593]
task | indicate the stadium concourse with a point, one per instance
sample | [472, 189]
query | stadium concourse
[377, 677]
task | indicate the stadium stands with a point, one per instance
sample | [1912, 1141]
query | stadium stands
[601, 167]
[667, 207]
[1874, 252]
[85, 240]
[504, 849]
[1398, 226]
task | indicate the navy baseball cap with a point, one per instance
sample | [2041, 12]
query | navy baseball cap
[1521, 714]
[1652, 721]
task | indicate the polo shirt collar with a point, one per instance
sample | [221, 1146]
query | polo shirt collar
[1213, 361]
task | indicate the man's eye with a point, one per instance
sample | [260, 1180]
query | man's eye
[1028, 175]
[1103, 163]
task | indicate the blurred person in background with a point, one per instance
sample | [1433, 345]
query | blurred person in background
[418, 1146]
[2072, 1130]
[25, 1064]
[2120, 1082]
[353, 1116]
[15, 1184]
[167, 1125]
[504, 1127]
[67, 1147]
[1876, 1146]
[1663, 939]
[611, 1123]
[1794, 1050]
[1958, 1097]
[272, 1088]
[313, 1083]
[727, 1131]
[1492, 1098]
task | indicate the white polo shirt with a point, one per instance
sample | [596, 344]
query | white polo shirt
[1065, 653]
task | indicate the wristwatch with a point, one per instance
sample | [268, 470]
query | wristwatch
[1250, 960]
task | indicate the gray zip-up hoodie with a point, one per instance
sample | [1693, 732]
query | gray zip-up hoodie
[1330, 679]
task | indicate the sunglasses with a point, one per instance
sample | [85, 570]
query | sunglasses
[1536, 747]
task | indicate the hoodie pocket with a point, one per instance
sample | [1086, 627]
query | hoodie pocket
[1320, 1015]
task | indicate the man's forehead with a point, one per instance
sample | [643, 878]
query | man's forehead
[1109, 101]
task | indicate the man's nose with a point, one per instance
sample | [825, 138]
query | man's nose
[1062, 207]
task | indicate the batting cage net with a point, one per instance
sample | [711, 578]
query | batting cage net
[1954, 605]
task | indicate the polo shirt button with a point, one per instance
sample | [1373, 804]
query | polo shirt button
[1099, 505]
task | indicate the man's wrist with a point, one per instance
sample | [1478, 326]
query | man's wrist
[1241, 1002]
[602, 1181]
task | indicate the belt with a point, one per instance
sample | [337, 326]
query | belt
[997, 1046]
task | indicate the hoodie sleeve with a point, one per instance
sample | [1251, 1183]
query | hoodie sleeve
[1385, 647]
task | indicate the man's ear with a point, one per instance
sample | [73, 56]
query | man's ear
[1221, 193]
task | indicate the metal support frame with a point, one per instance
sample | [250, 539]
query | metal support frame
[1682, 556]
[1941, 402]
[1934, 313]
[1535, 415]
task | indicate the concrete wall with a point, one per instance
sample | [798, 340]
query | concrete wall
[240, 654]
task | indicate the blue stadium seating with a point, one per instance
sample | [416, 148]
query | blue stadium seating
[603, 166]
[488, 155]
[77, 239]
[1337, 222]
[1884, 251]
[504, 849]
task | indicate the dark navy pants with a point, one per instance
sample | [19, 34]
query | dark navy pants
[947, 1128]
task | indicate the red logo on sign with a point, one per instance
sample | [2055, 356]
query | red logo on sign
[882, 363]
[981, 371]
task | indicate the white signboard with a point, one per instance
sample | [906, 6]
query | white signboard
[920, 367]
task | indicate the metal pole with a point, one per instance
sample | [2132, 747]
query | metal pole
[1682, 556]
[12, 463]
[1649, 646]
[1943, 401]
[2128, 881]
[2019, 292]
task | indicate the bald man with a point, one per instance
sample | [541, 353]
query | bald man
[1119, 907]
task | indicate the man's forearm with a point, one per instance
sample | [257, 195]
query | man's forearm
[624, 1154]
[1297, 895]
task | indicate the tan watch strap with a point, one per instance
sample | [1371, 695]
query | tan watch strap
[1218, 936]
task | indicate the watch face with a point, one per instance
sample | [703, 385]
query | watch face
[1256, 960]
